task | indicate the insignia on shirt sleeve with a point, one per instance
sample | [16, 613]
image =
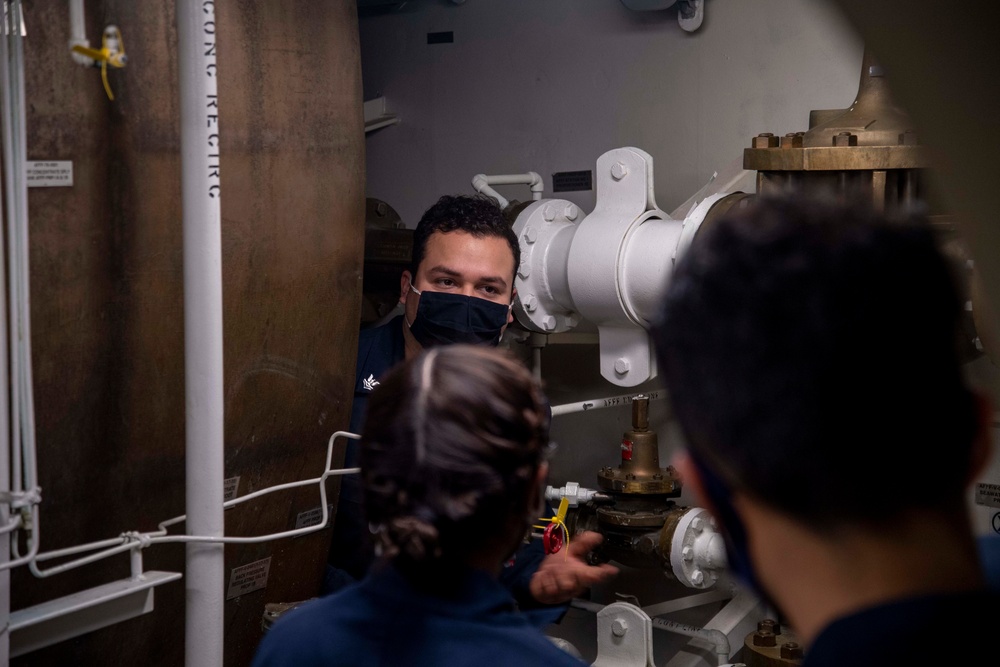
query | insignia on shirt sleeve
[370, 382]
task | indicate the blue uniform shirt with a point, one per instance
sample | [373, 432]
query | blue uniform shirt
[383, 621]
[351, 553]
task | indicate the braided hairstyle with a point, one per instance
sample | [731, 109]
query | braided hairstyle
[452, 442]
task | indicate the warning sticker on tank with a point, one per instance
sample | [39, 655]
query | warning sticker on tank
[49, 173]
[312, 517]
[248, 578]
[230, 486]
[988, 494]
[626, 450]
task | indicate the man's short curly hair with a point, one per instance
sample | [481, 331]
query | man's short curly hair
[478, 215]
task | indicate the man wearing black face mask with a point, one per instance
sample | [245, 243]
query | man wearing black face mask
[459, 289]
[810, 350]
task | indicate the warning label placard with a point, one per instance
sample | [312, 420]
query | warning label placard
[248, 578]
[229, 487]
[49, 174]
[988, 494]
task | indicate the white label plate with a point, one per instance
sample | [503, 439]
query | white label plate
[49, 173]
[248, 578]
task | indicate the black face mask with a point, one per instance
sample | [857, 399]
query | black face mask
[443, 319]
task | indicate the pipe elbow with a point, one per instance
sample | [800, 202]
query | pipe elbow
[537, 185]
[479, 182]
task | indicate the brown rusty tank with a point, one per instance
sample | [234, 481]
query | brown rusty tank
[107, 297]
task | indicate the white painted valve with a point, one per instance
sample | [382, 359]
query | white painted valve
[697, 551]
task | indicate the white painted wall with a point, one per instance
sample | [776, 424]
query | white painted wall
[549, 85]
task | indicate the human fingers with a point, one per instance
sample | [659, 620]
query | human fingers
[585, 542]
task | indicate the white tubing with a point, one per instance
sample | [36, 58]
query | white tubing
[139, 540]
[482, 183]
[606, 402]
[78, 32]
[203, 379]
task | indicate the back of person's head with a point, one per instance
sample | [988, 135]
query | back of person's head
[810, 350]
[478, 215]
[450, 451]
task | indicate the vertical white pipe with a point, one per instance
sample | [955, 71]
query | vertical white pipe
[12, 185]
[203, 379]
[77, 30]
[23, 342]
[5, 439]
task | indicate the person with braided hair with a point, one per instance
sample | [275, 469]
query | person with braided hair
[453, 466]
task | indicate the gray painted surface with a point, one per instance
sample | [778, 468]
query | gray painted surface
[549, 86]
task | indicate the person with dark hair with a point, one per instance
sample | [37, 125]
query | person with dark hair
[453, 471]
[459, 289]
[810, 350]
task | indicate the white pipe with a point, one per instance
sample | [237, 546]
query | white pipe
[607, 402]
[78, 32]
[21, 413]
[5, 442]
[482, 183]
[203, 369]
[9, 101]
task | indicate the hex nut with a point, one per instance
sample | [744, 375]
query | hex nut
[548, 214]
[764, 638]
[622, 366]
[765, 140]
[769, 625]
[697, 577]
[792, 140]
[791, 651]
[619, 627]
[549, 323]
[572, 212]
[619, 171]
[530, 303]
[845, 139]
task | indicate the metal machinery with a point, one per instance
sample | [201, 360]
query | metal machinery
[641, 524]
[609, 268]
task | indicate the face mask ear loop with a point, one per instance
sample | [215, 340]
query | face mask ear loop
[413, 289]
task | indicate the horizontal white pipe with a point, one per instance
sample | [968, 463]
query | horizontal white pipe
[483, 182]
[607, 402]
[531, 178]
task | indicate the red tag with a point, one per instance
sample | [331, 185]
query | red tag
[626, 450]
